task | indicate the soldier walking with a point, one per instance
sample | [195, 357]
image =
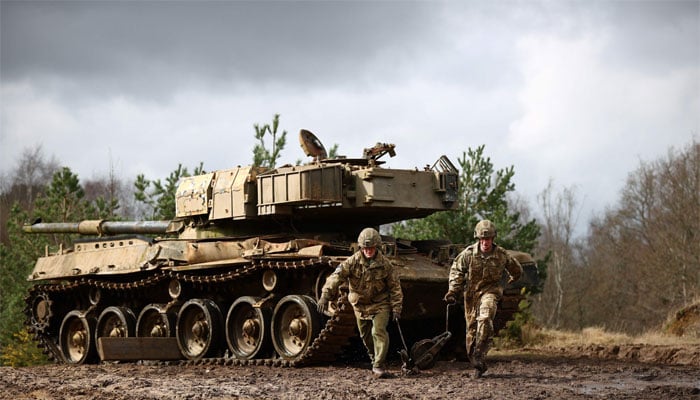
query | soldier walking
[374, 292]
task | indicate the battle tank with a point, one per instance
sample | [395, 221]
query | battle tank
[236, 275]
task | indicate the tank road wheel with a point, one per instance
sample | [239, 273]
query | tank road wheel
[198, 328]
[295, 324]
[75, 338]
[154, 322]
[115, 322]
[248, 328]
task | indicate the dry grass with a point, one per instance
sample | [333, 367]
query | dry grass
[534, 337]
[681, 328]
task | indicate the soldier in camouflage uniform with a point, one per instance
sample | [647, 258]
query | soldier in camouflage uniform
[477, 272]
[374, 292]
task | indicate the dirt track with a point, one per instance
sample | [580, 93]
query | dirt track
[551, 374]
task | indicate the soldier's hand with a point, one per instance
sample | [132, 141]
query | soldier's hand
[322, 305]
[396, 315]
[450, 297]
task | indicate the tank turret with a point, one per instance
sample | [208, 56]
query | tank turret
[237, 273]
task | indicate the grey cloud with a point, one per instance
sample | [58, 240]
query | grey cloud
[655, 36]
[432, 77]
[141, 47]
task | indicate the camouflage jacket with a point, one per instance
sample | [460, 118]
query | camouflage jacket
[373, 284]
[477, 273]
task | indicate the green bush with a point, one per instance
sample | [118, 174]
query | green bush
[22, 352]
[520, 331]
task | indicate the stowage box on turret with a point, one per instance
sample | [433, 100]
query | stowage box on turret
[235, 276]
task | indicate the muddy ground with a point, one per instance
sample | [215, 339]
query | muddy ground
[587, 372]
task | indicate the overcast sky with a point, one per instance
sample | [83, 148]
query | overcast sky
[578, 92]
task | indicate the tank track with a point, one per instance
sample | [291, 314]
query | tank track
[326, 347]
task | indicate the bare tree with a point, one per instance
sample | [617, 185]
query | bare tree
[558, 222]
[110, 195]
[645, 254]
[24, 184]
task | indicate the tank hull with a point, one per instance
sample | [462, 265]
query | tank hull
[231, 300]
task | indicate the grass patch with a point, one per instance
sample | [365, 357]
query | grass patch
[540, 337]
[680, 330]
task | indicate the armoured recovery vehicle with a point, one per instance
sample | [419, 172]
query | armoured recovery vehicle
[235, 276]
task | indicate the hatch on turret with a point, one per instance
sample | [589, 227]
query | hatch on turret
[193, 195]
[225, 194]
[234, 194]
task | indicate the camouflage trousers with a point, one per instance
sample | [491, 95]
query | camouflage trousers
[375, 337]
[479, 313]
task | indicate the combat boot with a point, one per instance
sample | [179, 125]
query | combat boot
[477, 359]
[479, 369]
[379, 373]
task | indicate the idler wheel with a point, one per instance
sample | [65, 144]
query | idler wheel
[41, 312]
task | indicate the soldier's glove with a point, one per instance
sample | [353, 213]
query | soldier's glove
[396, 315]
[322, 305]
[450, 297]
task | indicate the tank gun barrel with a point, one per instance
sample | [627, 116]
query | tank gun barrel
[99, 227]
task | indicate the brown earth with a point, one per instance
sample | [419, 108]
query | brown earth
[585, 372]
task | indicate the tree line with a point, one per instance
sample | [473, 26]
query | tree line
[639, 262]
